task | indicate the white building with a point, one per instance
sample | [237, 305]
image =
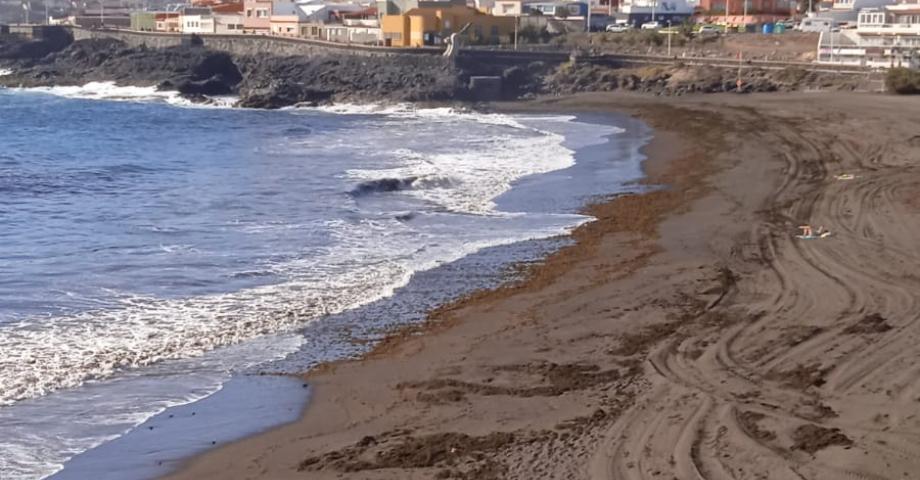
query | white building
[196, 20]
[847, 11]
[884, 37]
[637, 12]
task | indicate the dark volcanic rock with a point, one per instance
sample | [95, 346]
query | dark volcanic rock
[199, 70]
[16, 49]
[282, 94]
[216, 85]
[21, 50]
[275, 81]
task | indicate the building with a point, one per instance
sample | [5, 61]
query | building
[883, 38]
[228, 18]
[257, 16]
[847, 11]
[351, 24]
[425, 26]
[397, 7]
[558, 9]
[637, 12]
[144, 21]
[508, 8]
[286, 18]
[168, 22]
[755, 12]
[348, 32]
[196, 20]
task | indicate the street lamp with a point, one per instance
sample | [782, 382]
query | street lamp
[669, 38]
[744, 16]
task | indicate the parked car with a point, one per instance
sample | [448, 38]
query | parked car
[816, 25]
[618, 27]
[709, 30]
[651, 25]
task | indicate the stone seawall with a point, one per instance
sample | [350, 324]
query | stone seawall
[247, 44]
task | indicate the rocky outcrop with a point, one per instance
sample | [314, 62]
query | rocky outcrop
[271, 81]
[190, 69]
[263, 81]
[277, 81]
[683, 79]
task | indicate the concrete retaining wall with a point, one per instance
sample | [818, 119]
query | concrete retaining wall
[247, 44]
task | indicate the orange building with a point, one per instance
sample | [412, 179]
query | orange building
[432, 25]
[758, 11]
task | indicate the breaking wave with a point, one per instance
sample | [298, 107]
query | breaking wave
[110, 91]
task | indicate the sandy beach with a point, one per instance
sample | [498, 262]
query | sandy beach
[687, 334]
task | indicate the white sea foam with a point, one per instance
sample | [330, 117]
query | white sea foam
[366, 261]
[469, 179]
[39, 356]
[5, 72]
[40, 435]
[110, 91]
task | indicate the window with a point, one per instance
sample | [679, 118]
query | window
[494, 31]
[249, 12]
[262, 13]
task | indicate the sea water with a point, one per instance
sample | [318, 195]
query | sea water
[150, 249]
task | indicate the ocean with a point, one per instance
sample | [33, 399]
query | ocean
[155, 252]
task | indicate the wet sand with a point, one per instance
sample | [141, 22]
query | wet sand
[686, 334]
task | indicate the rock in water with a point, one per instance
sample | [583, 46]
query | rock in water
[282, 94]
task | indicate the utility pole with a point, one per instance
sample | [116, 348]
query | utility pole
[669, 38]
[589, 16]
[740, 59]
[654, 4]
[517, 20]
[726, 16]
[744, 16]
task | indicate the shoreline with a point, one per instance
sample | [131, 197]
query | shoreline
[651, 345]
[658, 151]
[506, 257]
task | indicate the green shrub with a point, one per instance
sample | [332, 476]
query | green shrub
[903, 81]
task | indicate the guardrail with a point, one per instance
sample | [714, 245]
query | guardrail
[730, 63]
[372, 49]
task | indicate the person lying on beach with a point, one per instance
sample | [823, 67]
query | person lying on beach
[809, 233]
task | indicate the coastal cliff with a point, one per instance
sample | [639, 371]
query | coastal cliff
[266, 81]
[275, 80]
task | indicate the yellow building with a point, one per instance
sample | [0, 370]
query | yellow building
[431, 25]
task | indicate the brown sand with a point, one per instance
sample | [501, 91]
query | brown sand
[687, 335]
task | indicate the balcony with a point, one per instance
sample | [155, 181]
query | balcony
[889, 29]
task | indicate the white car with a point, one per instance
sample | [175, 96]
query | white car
[618, 28]
[817, 25]
[708, 30]
[651, 25]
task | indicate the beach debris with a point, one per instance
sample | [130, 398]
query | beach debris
[809, 233]
[845, 176]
